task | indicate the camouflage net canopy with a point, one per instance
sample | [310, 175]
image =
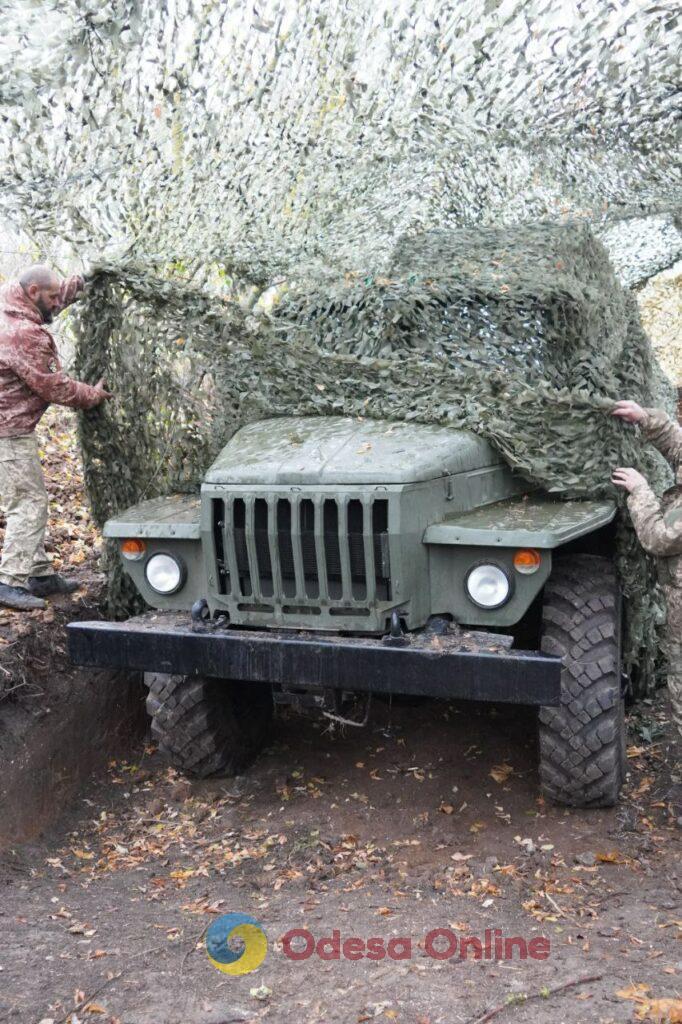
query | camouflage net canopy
[381, 208]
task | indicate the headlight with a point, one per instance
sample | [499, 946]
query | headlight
[165, 574]
[488, 586]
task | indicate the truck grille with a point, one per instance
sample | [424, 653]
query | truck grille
[302, 552]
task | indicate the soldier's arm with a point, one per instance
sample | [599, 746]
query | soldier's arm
[664, 434]
[30, 361]
[657, 535]
[70, 290]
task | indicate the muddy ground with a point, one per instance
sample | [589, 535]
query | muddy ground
[427, 818]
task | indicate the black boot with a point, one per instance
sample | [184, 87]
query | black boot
[43, 586]
[19, 598]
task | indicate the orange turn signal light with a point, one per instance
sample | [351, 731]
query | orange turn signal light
[527, 561]
[133, 548]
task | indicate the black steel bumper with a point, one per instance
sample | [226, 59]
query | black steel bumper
[434, 668]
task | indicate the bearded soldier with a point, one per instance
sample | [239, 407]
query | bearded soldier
[659, 527]
[31, 378]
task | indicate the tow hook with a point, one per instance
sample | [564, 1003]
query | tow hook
[396, 636]
[200, 612]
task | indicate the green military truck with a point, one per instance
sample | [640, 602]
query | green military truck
[332, 556]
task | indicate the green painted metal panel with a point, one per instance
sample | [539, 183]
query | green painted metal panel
[342, 450]
[188, 552]
[535, 520]
[449, 566]
[177, 516]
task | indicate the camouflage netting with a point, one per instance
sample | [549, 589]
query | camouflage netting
[524, 336]
[376, 208]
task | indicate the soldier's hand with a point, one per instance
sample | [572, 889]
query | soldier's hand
[628, 479]
[629, 411]
[100, 386]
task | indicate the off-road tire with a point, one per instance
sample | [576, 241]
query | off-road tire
[582, 742]
[208, 726]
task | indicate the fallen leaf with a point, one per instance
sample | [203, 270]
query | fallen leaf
[501, 772]
[635, 991]
[661, 1011]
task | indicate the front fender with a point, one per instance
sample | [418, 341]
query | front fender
[493, 533]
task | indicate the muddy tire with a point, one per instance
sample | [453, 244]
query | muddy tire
[582, 742]
[208, 726]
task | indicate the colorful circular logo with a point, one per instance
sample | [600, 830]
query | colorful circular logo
[224, 930]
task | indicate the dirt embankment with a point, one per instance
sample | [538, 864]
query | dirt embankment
[58, 725]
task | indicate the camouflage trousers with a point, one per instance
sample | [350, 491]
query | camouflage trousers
[672, 641]
[23, 499]
[674, 654]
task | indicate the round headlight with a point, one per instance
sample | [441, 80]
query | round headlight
[488, 586]
[165, 574]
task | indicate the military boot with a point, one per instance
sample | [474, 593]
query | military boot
[43, 586]
[19, 598]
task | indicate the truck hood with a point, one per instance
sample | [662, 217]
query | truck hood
[342, 450]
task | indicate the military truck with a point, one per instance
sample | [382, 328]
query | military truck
[327, 557]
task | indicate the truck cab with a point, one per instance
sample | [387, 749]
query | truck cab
[330, 555]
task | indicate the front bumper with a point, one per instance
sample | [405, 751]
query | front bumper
[456, 665]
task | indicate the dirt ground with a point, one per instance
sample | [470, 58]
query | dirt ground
[427, 818]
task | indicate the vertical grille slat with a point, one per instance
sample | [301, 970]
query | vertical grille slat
[240, 547]
[356, 548]
[320, 549]
[251, 553]
[332, 551]
[382, 571]
[262, 514]
[297, 548]
[368, 541]
[231, 548]
[346, 581]
[273, 543]
[311, 576]
[286, 550]
[222, 569]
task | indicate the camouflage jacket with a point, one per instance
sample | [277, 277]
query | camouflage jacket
[31, 376]
[659, 523]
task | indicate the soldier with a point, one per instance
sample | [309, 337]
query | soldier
[31, 378]
[659, 527]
